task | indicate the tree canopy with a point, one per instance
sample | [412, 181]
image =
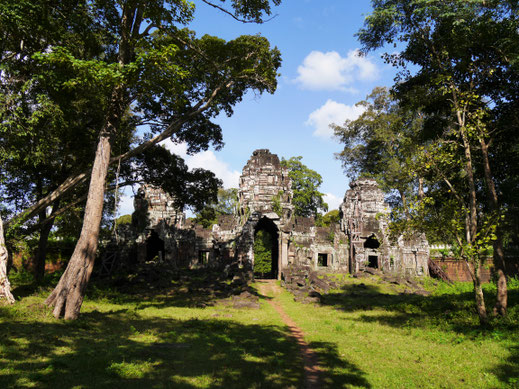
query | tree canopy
[136, 65]
[458, 67]
[382, 144]
[307, 200]
[225, 205]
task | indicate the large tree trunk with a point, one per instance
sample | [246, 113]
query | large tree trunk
[68, 295]
[499, 255]
[478, 293]
[5, 286]
[41, 254]
[472, 221]
[502, 289]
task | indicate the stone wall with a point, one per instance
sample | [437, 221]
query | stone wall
[364, 219]
[359, 241]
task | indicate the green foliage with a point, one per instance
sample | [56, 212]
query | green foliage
[206, 217]
[226, 204]
[276, 203]
[262, 252]
[123, 220]
[328, 218]
[307, 199]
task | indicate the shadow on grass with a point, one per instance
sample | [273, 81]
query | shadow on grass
[157, 286]
[454, 312]
[122, 349]
[508, 372]
[337, 373]
[195, 288]
[452, 315]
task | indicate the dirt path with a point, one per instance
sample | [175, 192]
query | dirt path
[312, 370]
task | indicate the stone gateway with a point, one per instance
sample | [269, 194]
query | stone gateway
[359, 241]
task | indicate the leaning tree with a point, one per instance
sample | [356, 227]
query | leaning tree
[164, 78]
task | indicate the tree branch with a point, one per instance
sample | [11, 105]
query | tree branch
[72, 182]
[236, 17]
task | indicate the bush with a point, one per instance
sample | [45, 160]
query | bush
[262, 252]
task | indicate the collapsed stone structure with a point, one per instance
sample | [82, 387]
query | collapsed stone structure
[360, 240]
[365, 220]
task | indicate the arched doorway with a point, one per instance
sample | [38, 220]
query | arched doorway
[266, 249]
[371, 246]
[154, 247]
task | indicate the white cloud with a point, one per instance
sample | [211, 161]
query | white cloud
[206, 160]
[332, 112]
[125, 205]
[179, 149]
[330, 71]
[333, 201]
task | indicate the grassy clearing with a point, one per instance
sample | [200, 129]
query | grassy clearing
[142, 341]
[384, 339]
[185, 334]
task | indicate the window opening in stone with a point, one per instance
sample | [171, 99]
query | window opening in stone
[266, 249]
[373, 261]
[372, 242]
[322, 259]
[154, 247]
[203, 257]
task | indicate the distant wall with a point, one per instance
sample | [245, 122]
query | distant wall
[457, 270]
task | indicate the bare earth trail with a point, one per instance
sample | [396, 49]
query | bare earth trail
[271, 290]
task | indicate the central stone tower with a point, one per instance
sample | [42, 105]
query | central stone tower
[265, 198]
[265, 187]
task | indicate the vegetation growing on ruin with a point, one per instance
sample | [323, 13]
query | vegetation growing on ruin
[276, 203]
[307, 200]
[262, 253]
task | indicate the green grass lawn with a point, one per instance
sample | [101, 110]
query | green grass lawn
[183, 336]
[386, 340]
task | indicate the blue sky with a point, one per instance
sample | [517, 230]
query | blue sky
[321, 79]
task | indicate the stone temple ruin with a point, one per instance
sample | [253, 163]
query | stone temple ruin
[358, 242]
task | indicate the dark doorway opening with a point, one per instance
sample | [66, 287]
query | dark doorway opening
[373, 261]
[154, 247]
[372, 244]
[322, 259]
[266, 249]
[203, 257]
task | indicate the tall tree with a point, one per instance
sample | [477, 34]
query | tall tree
[466, 76]
[169, 80]
[307, 200]
[48, 127]
[381, 144]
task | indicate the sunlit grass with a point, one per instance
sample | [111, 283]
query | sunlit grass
[366, 333]
[387, 340]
